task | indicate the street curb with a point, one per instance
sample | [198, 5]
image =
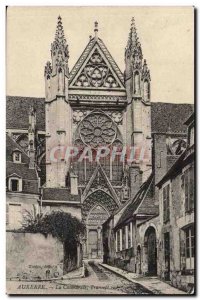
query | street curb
[125, 277]
[153, 291]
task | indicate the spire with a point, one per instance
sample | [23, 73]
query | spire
[59, 48]
[145, 71]
[96, 29]
[133, 49]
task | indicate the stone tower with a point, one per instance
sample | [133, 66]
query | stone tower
[58, 112]
[137, 83]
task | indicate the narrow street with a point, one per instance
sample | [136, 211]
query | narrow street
[98, 281]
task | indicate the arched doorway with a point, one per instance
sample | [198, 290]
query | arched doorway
[96, 209]
[151, 251]
[96, 217]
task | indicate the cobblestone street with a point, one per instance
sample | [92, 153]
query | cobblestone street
[98, 281]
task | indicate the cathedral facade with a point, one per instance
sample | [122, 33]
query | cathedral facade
[95, 115]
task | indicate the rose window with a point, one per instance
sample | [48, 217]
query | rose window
[97, 129]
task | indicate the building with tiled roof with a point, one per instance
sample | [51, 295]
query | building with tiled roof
[22, 184]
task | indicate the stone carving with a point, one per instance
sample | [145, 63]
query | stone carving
[107, 98]
[117, 117]
[97, 129]
[175, 146]
[96, 73]
[77, 116]
[101, 198]
[97, 216]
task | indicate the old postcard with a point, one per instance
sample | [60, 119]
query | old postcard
[100, 151]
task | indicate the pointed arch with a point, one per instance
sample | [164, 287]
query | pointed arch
[136, 82]
[98, 214]
[98, 197]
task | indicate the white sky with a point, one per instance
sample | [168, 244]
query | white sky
[166, 35]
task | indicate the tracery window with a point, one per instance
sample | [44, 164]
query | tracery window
[97, 129]
[96, 73]
[97, 132]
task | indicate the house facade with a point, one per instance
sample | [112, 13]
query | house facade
[177, 219]
[154, 234]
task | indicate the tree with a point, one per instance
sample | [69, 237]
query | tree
[58, 223]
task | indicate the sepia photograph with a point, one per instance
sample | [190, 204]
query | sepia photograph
[100, 150]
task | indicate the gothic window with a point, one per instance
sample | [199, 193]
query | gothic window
[99, 133]
[166, 203]
[136, 83]
[96, 74]
[189, 189]
[97, 129]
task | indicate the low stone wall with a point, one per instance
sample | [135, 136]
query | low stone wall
[32, 256]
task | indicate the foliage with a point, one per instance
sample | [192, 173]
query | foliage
[58, 223]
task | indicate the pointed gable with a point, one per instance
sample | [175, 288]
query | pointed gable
[99, 181]
[96, 69]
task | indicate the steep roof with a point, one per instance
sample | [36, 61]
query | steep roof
[142, 203]
[20, 169]
[17, 112]
[11, 145]
[163, 115]
[187, 157]
[59, 194]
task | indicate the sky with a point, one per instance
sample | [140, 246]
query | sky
[166, 35]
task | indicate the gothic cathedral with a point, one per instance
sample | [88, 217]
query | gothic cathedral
[95, 106]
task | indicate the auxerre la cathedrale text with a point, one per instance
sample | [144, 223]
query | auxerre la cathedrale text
[99, 178]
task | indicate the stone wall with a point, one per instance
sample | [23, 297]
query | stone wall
[32, 256]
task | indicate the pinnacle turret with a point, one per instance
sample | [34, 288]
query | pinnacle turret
[145, 71]
[133, 49]
[59, 48]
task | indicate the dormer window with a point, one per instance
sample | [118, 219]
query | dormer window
[17, 156]
[14, 183]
